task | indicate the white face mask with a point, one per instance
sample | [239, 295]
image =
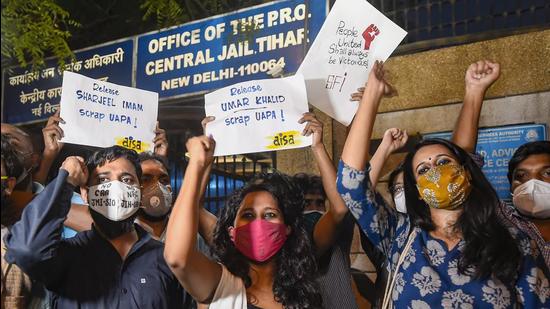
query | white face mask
[400, 202]
[532, 199]
[114, 200]
[157, 200]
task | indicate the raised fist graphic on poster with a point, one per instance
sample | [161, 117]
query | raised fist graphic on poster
[370, 34]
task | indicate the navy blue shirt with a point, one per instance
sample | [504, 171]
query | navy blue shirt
[86, 271]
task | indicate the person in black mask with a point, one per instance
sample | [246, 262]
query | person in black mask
[116, 264]
[328, 222]
[314, 196]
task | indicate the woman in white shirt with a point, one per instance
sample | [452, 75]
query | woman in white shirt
[264, 255]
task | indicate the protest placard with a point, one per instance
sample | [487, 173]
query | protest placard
[103, 114]
[258, 115]
[354, 35]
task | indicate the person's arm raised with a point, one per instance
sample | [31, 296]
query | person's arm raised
[393, 140]
[479, 77]
[161, 142]
[198, 275]
[326, 227]
[207, 221]
[79, 218]
[51, 133]
[34, 242]
[356, 148]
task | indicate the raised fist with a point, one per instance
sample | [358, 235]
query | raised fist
[481, 75]
[370, 34]
[78, 172]
[201, 149]
[394, 139]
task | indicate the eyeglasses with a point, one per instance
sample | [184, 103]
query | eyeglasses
[317, 202]
[396, 190]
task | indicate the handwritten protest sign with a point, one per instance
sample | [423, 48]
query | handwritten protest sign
[257, 116]
[103, 114]
[353, 36]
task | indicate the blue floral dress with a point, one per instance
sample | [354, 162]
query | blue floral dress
[428, 276]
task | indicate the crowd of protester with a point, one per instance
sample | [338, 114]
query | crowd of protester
[109, 232]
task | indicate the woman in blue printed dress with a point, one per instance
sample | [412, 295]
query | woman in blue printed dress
[457, 252]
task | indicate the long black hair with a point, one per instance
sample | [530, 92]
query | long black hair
[489, 247]
[294, 283]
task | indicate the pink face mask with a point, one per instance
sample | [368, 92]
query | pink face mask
[259, 240]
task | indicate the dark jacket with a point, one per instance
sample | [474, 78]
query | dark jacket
[86, 271]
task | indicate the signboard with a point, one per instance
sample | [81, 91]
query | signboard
[103, 114]
[354, 35]
[227, 49]
[34, 96]
[497, 145]
[258, 115]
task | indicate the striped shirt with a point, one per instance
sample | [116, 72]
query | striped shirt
[509, 213]
[334, 269]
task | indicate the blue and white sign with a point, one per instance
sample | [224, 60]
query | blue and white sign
[30, 96]
[497, 145]
[189, 59]
[216, 52]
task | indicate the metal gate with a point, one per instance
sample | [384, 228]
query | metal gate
[437, 23]
[228, 174]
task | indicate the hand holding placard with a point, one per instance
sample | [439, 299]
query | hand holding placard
[314, 128]
[52, 133]
[161, 142]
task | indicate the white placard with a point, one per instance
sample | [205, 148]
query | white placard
[103, 114]
[353, 36]
[260, 115]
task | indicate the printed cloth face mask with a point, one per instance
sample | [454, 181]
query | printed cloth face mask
[157, 200]
[259, 240]
[532, 199]
[114, 200]
[400, 202]
[444, 186]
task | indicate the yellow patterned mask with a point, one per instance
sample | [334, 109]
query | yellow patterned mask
[444, 186]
